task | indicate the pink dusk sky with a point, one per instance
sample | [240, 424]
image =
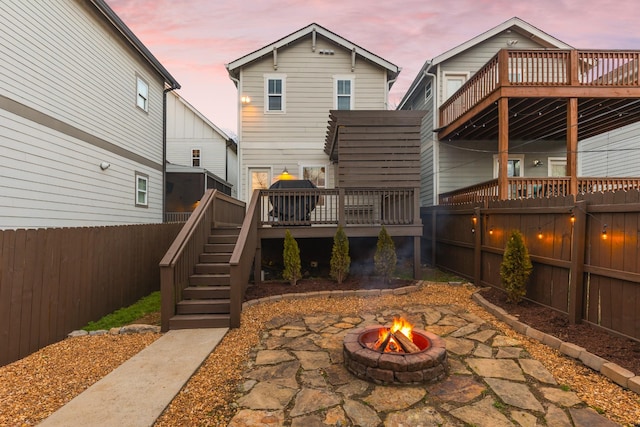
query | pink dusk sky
[194, 39]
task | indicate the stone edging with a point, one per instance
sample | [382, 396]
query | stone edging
[614, 372]
[128, 329]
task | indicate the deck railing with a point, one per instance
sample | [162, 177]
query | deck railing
[296, 207]
[555, 67]
[177, 264]
[531, 188]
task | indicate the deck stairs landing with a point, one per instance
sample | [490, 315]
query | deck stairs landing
[206, 301]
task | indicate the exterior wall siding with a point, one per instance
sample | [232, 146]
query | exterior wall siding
[615, 153]
[64, 67]
[296, 138]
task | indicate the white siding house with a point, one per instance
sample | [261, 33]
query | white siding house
[285, 92]
[194, 141]
[445, 165]
[81, 118]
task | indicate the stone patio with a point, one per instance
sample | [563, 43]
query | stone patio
[296, 377]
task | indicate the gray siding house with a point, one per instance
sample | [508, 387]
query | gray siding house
[81, 118]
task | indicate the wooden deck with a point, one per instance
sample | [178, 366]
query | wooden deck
[537, 84]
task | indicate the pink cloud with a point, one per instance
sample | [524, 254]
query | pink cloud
[193, 39]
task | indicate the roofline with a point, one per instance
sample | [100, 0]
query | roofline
[119, 25]
[513, 22]
[393, 70]
[204, 118]
[516, 22]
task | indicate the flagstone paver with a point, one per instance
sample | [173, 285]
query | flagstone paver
[297, 378]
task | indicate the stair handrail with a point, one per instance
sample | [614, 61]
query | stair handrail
[242, 259]
[193, 237]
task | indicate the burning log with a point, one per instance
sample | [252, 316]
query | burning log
[407, 345]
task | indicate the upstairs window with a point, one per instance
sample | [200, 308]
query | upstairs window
[427, 91]
[274, 94]
[142, 190]
[343, 101]
[142, 99]
[195, 157]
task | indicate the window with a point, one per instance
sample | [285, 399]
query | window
[275, 94]
[259, 179]
[343, 93]
[315, 174]
[453, 82]
[142, 190]
[515, 166]
[427, 91]
[142, 100]
[557, 166]
[195, 157]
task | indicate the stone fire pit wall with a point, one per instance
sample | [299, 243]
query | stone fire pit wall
[428, 365]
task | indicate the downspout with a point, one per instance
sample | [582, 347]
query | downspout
[164, 147]
[389, 84]
[436, 142]
[239, 195]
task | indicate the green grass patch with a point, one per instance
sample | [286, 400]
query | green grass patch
[436, 275]
[126, 315]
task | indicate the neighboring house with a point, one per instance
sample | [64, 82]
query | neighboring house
[199, 154]
[615, 153]
[447, 166]
[81, 118]
[285, 92]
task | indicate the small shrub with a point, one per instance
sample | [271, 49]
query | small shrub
[515, 268]
[340, 260]
[385, 257]
[291, 259]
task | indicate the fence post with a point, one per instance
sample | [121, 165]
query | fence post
[434, 226]
[477, 246]
[576, 273]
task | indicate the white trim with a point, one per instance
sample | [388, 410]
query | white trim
[351, 79]
[313, 165]
[557, 161]
[283, 95]
[142, 96]
[250, 169]
[199, 157]
[445, 78]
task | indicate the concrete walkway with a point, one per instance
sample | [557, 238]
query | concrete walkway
[297, 378]
[136, 393]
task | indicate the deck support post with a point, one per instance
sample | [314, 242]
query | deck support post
[572, 144]
[503, 148]
[477, 246]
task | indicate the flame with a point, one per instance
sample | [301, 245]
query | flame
[399, 324]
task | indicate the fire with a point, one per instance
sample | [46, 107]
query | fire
[387, 341]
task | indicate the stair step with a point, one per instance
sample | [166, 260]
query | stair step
[206, 292]
[222, 238]
[214, 258]
[199, 321]
[209, 279]
[212, 268]
[203, 306]
[234, 231]
[219, 247]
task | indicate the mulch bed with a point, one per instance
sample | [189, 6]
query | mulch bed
[622, 351]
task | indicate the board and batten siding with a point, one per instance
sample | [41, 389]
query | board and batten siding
[296, 137]
[615, 153]
[187, 131]
[68, 102]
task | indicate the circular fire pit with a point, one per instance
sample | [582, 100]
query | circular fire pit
[429, 364]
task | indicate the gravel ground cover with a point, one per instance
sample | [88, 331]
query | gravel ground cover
[34, 387]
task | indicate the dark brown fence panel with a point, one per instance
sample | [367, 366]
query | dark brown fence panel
[53, 281]
[606, 255]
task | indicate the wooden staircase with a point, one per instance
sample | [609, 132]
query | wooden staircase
[206, 301]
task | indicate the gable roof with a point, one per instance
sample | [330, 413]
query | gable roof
[234, 66]
[514, 24]
[134, 41]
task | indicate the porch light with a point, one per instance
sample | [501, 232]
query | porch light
[245, 99]
[604, 232]
[572, 218]
[491, 231]
[540, 233]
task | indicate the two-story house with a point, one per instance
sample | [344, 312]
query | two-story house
[505, 112]
[200, 156]
[81, 118]
[285, 92]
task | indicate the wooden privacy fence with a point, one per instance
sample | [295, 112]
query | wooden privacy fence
[56, 280]
[585, 252]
